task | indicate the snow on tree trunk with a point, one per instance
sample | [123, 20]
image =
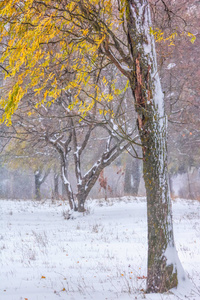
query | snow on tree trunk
[67, 185]
[63, 150]
[163, 264]
[81, 195]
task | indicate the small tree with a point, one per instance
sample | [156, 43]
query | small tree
[77, 139]
[40, 177]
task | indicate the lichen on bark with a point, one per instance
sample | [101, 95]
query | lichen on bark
[149, 105]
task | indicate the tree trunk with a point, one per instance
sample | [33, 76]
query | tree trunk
[163, 261]
[81, 197]
[190, 193]
[85, 186]
[64, 192]
[162, 272]
[67, 184]
[56, 182]
[63, 150]
[132, 176]
[39, 179]
[37, 185]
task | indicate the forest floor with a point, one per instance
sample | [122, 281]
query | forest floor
[101, 254]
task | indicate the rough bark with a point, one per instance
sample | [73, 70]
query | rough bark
[145, 83]
[162, 275]
[81, 197]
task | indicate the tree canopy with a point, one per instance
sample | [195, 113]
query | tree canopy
[54, 46]
[51, 47]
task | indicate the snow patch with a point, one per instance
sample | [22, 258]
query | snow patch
[96, 256]
[173, 259]
[171, 66]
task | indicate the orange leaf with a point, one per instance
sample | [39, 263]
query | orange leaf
[43, 277]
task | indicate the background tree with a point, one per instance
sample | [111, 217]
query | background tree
[179, 69]
[20, 154]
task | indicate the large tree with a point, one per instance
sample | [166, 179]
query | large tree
[89, 35]
[149, 104]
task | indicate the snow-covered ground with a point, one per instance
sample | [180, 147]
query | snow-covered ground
[99, 255]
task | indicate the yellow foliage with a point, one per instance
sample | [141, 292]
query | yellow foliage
[53, 46]
[159, 36]
[193, 37]
[32, 60]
